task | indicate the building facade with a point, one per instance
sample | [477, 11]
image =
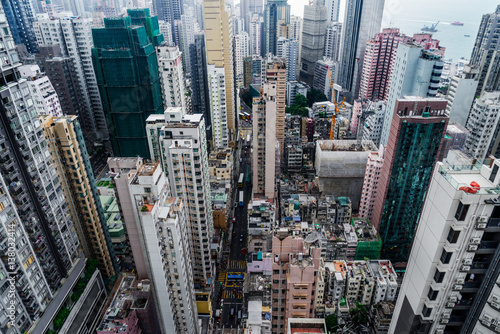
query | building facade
[128, 98]
[21, 18]
[415, 142]
[42, 91]
[276, 15]
[371, 183]
[179, 143]
[171, 76]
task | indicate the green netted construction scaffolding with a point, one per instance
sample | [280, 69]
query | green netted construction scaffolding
[369, 243]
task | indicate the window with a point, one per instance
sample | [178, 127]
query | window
[461, 211]
[446, 257]
[494, 173]
[426, 311]
[432, 294]
[438, 276]
[453, 236]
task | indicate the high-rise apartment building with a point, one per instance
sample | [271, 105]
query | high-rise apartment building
[451, 282]
[292, 89]
[45, 97]
[171, 76]
[200, 98]
[220, 73]
[332, 10]
[374, 122]
[483, 125]
[65, 142]
[378, 63]
[333, 36]
[166, 30]
[298, 272]
[288, 49]
[128, 78]
[255, 34]
[371, 183]
[74, 37]
[179, 143]
[461, 92]
[21, 18]
[188, 29]
[241, 50]
[417, 132]
[323, 69]
[248, 9]
[275, 73]
[416, 72]
[362, 21]
[295, 32]
[162, 228]
[265, 143]
[27, 169]
[486, 53]
[276, 15]
[168, 11]
[313, 39]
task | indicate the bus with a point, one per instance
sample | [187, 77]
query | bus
[234, 276]
[248, 141]
[241, 198]
[241, 180]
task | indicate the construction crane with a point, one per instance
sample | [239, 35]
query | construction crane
[337, 107]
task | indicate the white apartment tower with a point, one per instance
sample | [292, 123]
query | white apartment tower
[218, 105]
[451, 281]
[332, 40]
[483, 125]
[255, 34]
[265, 143]
[171, 76]
[166, 31]
[288, 49]
[41, 89]
[74, 36]
[179, 143]
[241, 50]
[163, 226]
[188, 29]
[416, 72]
[460, 95]
[370, 183]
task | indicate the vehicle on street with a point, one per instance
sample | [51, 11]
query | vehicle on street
[241, 160]
[241, 198]
[232, 312]
[241, 238]
[245, 152]
[241, 180]
[234, 219]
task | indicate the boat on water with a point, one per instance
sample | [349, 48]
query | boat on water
[432, 28]
[466, 35]
[457, 23]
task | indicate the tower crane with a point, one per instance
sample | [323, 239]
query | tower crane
[337, 107]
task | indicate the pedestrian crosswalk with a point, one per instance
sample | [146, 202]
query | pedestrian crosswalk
[233, 264]
[222, 277]
[231, 294]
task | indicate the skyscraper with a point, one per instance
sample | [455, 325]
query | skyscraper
[64, 139]
[417, 131]
[171, 76]
[42, 91]
[21, 19]
[416, 72]
[255, 32]
[74, 37]
[188, 29]
[179, 143]
[378, 63]
[451, 282]
[362, 21]
[486, 53]
[241, 50]
[275, 73]
[333, 36]
[484, 126]
[332, 10]
[220, 73]
[128, 78]
[168, 11]
[250, 8]
[276, 13]
[200, 98]
[289, 49]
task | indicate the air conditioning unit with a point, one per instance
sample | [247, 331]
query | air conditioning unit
[482, 219]
[495, 305]
[487, 318]
[480, 226]
[472, 248]
[446, 316]
[475, 241]
[450, 305]
[452, 299]
[460, 281]
[444, 321]
[465, 268]
[458, 287]
[495, 298]
[467, 262]
[439, 331]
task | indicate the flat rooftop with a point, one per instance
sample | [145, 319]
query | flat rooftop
[346, 145]
[147, 169]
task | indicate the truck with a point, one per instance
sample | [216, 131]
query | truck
[241, 198]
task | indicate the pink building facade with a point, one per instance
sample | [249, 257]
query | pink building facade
[380, 54]
[371, 183]
[426, 40]
[296, 267]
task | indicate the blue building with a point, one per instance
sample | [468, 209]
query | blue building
[21, 17]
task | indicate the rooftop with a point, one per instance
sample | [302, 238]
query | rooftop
[147, 169]
[346, 145]
[462, 177]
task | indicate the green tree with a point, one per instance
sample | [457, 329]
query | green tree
[247, 98]
[299, 107]
[359, 315]
[332, 323]
[315, 95]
